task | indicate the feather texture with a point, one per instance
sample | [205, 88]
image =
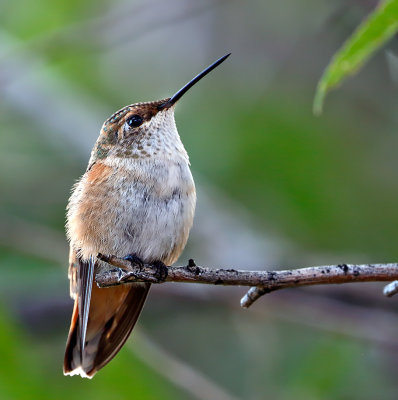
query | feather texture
[136, 197]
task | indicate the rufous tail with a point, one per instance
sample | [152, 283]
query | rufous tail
[112, 314]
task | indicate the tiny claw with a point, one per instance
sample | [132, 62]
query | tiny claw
[161, 271]
[134, 260]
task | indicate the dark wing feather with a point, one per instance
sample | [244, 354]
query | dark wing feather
[117, 329]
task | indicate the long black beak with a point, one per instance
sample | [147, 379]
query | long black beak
[197, 78]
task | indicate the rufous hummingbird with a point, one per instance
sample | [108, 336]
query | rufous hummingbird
[136, 199]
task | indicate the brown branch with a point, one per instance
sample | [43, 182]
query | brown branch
[262, 281]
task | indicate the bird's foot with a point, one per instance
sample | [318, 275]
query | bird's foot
[134, 260]
[161, 271]
[155, 271]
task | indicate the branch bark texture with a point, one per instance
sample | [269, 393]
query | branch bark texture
[262, 281]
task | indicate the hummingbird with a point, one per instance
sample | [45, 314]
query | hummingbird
[136, 200]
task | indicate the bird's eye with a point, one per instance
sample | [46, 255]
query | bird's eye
[134, 121]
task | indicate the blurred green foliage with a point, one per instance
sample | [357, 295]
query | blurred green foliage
[381, 25]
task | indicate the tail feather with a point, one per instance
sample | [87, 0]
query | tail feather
[72, 360]
[97, 336]
[85, 284]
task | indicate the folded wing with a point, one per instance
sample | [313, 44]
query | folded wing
[102, 319]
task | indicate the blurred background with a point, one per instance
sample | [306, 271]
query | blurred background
[277, 188]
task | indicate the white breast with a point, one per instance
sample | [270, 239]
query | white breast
[154, 212]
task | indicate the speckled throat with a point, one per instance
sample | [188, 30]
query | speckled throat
[157, 136]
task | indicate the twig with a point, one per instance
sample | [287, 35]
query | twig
[265, 281]
[391, 289]
[252, 295]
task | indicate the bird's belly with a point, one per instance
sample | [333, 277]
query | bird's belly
[154, 227]
[123, 216]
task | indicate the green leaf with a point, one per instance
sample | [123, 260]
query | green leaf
[379, 27]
